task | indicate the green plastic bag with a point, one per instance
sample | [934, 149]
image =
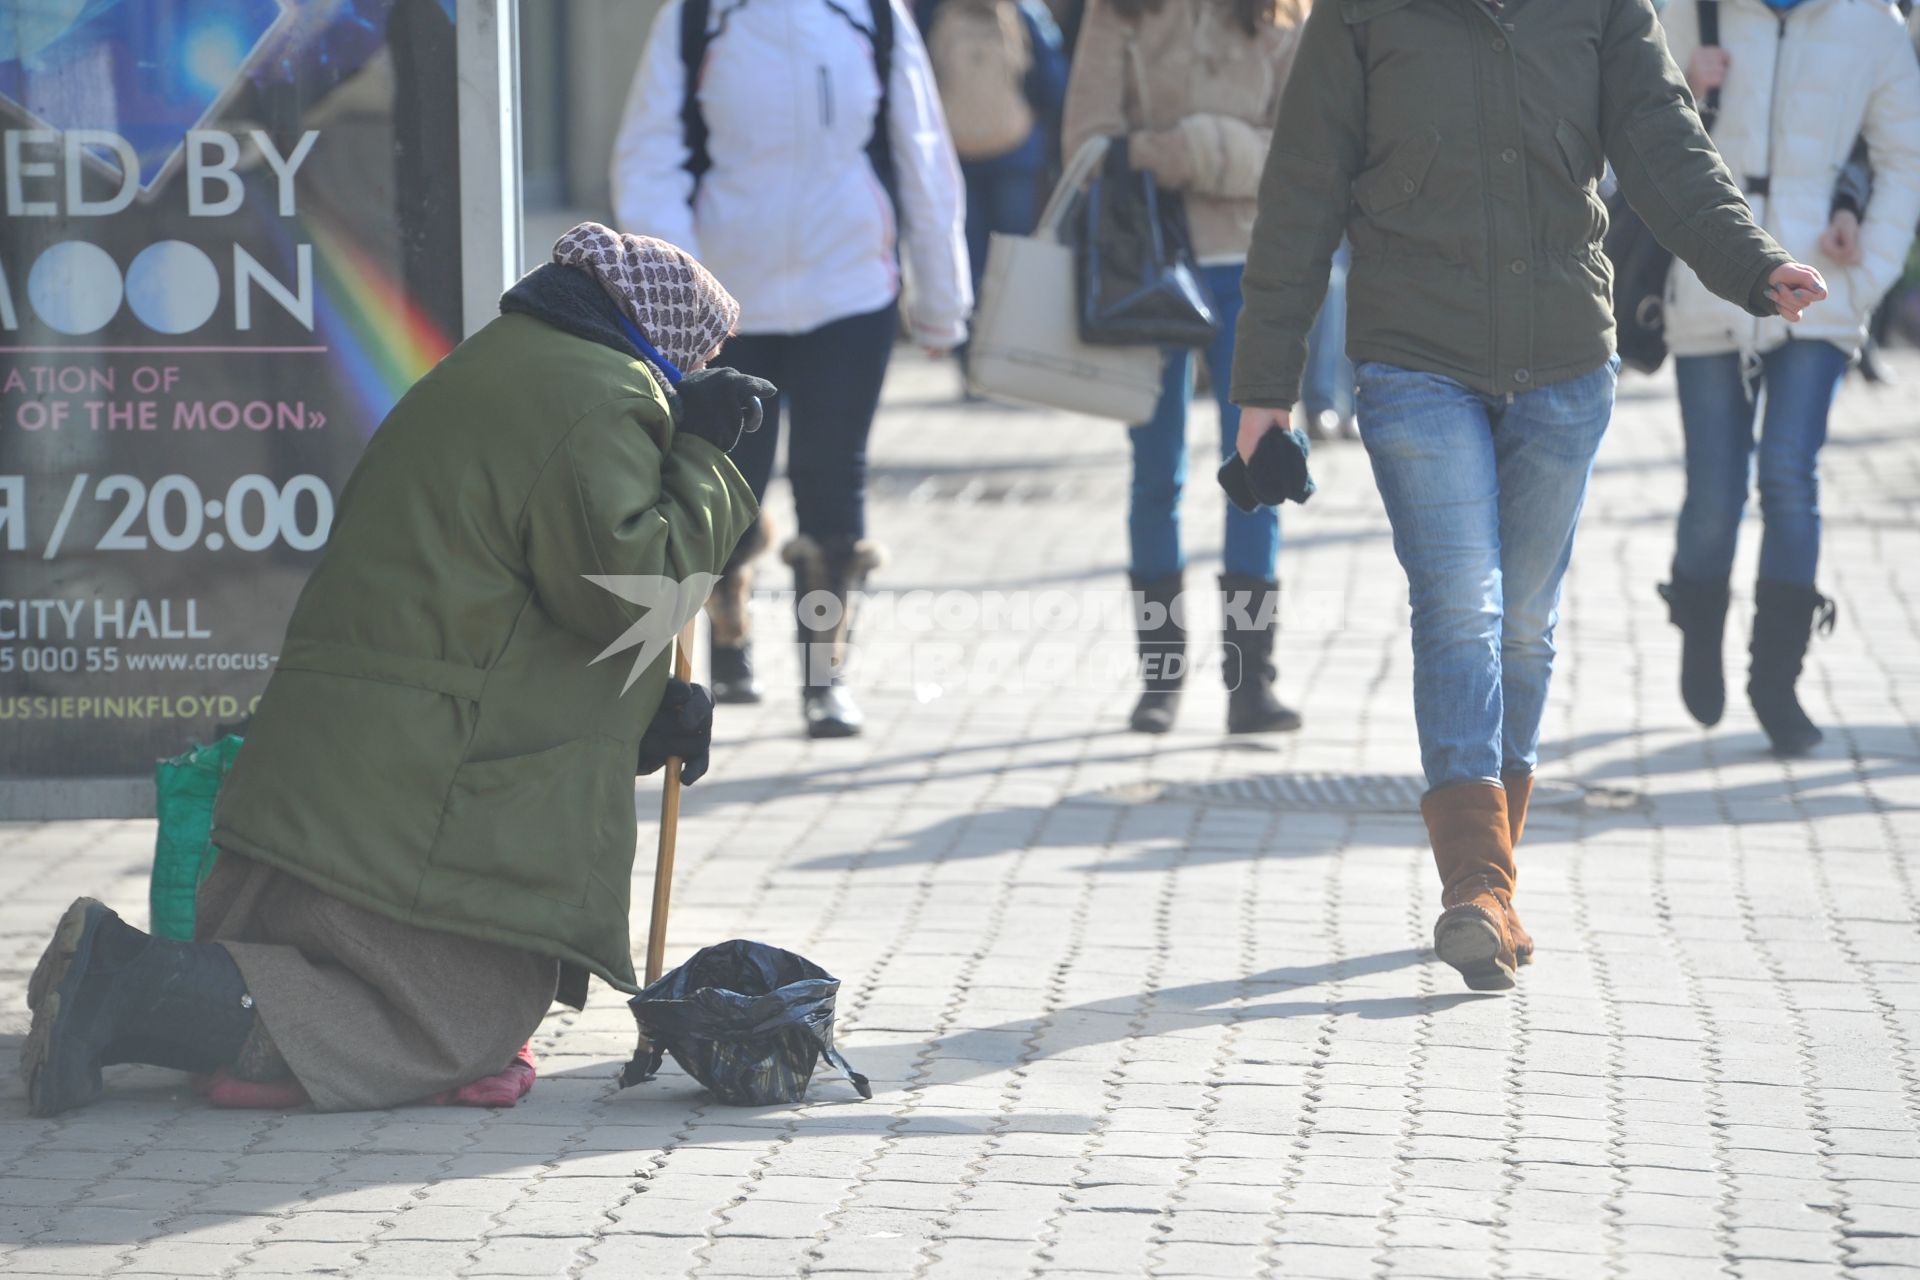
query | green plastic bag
[184, 789]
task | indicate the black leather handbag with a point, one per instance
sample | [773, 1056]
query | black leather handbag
[1640, 265]
[1138, 281]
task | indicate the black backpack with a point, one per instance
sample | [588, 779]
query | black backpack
[695, 19]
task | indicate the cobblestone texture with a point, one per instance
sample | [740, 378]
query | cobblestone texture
[1120, 1035]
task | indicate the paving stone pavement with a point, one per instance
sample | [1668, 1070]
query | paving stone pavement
[1122, 1017]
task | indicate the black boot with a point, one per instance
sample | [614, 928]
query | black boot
[104, 992]
[730, 643]
[834, 571]
[1879, 329]
[1871, 367]
[1699, 609]
[1784, 617]
[730, 670]
[1163, 651]
[1250, 619]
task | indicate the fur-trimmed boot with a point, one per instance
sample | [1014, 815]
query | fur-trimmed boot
[1250, 623]
[1785, 616]
[730, 641]
[1162, 639]
[1699, 609]
[1519, 785]
[105, 993]
[1467, 824]
[828, 576]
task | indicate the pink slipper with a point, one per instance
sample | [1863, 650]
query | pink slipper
[503, 1088]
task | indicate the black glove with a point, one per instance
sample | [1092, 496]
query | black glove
[1277, 473]
[683, 726]
[718, 404]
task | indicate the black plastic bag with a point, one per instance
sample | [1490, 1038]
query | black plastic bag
[1138, 279]
[746, 1020]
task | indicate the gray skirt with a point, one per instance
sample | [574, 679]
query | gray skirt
[369, 1012]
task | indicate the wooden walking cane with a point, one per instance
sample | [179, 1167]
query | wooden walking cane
[669, 827]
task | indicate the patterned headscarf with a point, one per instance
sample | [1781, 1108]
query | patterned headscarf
[683, 311]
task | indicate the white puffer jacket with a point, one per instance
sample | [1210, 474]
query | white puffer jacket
[791, 216]
[1801, 86]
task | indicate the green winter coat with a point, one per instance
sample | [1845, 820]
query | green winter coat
[1460, 150]
[437, 742]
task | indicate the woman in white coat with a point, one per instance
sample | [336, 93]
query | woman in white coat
[1797, 82]
[791, 146]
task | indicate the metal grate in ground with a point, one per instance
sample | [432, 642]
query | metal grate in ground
[1323, 792]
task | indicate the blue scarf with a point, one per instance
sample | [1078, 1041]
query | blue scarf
[647, 349]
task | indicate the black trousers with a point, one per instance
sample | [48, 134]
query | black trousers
[829, 380]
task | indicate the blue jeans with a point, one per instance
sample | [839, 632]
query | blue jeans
[829, 380]
[1160, 459]
[1329, 380]
[1800, 380]
[1003, 194]
[1483, 493]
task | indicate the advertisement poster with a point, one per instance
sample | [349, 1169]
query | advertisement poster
[229, 241]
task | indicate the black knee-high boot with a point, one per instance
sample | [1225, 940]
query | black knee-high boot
[1162, 639]
[1250, 625]
[1699, 609]
[104, 993]
[1784, 617]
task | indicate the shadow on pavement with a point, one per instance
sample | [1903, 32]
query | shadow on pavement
[1155, 834]
[875, 774]
[623, 1133]
[1151, 836]
[286, 1165]
[1098, 1022]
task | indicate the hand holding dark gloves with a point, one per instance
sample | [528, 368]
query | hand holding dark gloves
[719, 404]
[683, 726]
[1278, 472]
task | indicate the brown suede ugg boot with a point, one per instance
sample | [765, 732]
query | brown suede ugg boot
[1519, 791]
[1473, 848]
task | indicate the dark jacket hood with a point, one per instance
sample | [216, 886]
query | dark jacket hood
[571, 301]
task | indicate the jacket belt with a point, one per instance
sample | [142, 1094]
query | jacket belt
[1758, 186]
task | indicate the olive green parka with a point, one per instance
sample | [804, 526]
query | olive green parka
[438, 742]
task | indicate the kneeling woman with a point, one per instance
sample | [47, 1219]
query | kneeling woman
[431, 827]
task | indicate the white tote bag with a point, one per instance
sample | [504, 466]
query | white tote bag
[1026, 339]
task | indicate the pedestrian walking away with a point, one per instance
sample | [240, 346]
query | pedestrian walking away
[1796, 81]
[430, 830]
[1190, 89]
[796, 147]
[1458, 144]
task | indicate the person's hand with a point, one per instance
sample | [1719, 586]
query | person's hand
[1841, 240]
[1707, 69]
[1276, 473]
[682, 727]
[1255, 423]
[935, 352]
[1794, 288]
[719, 404]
